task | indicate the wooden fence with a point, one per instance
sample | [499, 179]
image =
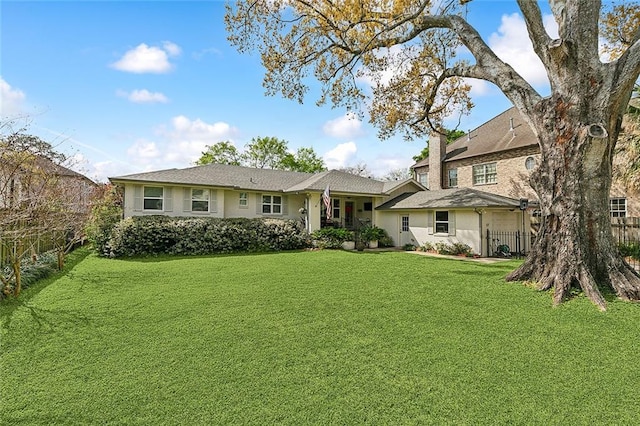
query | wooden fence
[35, 244]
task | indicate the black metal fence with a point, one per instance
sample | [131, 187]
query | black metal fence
[508, 243]
[625, 231]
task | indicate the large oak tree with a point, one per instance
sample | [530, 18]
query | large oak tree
[342, 42]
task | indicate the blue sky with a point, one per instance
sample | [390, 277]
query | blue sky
[132, 86]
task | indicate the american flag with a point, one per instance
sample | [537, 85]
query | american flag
[326, 198]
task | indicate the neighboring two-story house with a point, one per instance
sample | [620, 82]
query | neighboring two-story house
[497, 157]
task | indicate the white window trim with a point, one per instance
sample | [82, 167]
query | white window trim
[451, 223]
[208, 200]
[618, 211]
[485, 174]
[144, 198]
[245, 199]
[271, 204]
[436, 222]
[335, 207]
[449, 177]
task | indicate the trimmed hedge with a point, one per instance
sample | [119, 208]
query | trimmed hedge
[151, 235]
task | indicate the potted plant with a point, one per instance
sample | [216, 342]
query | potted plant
[370, 235]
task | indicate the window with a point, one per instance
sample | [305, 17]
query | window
[618, 207]
[530, 163]
[336, 208]
[271, 204]
[484, 174]
[368, 206]
[243, 200]
[405, 223]
[423, 178]
[442, 222]
[453, 178]
[153, 197]
[199, 200]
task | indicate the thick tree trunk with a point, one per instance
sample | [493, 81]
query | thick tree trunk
[574, 247]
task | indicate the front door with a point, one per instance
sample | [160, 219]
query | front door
[405, 236]
[348, 214]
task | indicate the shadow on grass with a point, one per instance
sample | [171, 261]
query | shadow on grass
[8, 306]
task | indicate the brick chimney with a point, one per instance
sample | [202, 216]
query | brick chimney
[437, 152]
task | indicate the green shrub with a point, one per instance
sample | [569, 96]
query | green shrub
[371, 233]
[631, 250]
[32, 269]
[151, 235]
[106, 212]
[331, 238]
[453, 248]
[386, 241]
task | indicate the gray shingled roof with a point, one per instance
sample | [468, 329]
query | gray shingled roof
[493, 136]
[340, 181]
[221, 175]
[248, 178]
[448, 198]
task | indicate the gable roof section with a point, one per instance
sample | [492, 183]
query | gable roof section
[339, 181]
[252, 179]
[447, 199]
[491, 137]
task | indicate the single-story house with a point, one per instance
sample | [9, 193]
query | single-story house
[456, 215]
[219, 190]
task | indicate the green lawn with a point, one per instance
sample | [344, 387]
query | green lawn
[325, 337]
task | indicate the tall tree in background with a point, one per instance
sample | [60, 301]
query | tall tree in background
[359, 169]
[303, 160]
[342, 42]
[263, 153]
[220, 153]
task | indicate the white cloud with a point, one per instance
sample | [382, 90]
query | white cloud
[11, 100]
[148, 59]
[144, 151]
[384, 164]
[143, 96]
[346, 127]
[340, 156]
[171, 48]
[204, 52]
[512, 44]
[186, 139]
[479, 87]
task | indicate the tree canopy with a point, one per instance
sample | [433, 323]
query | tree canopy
[264, 153]
[347, 42]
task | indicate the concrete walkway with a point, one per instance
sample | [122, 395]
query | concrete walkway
[470, 259]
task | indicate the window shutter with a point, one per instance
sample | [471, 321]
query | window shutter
[430, 214]
[168, 199]
[452, 223]
[186, 203]
[137, 198]
[259, 204]
[285, 205]
[213, 200]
